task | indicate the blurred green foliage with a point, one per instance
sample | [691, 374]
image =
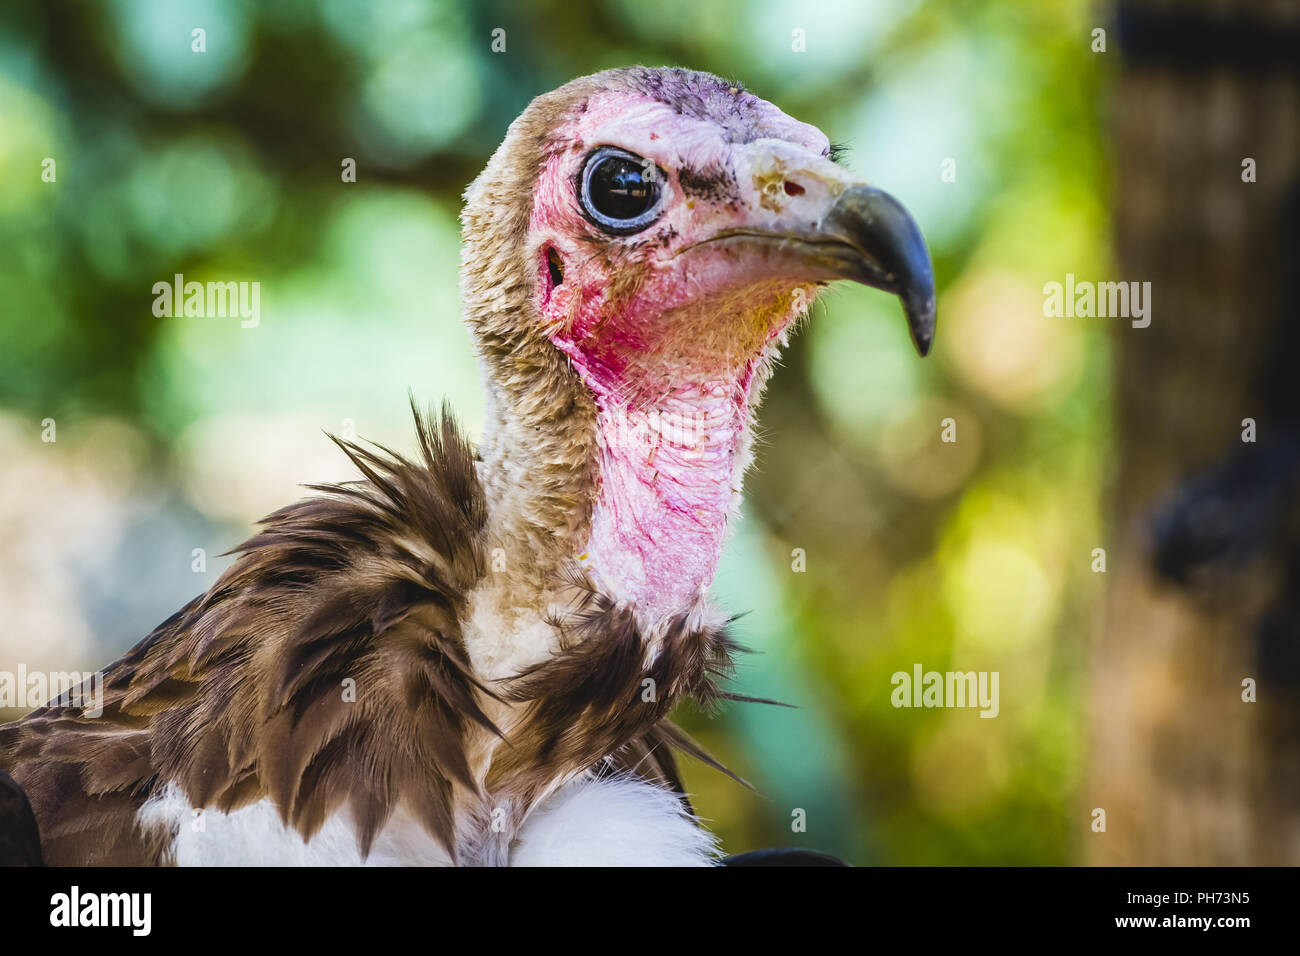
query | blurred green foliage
[226, 163]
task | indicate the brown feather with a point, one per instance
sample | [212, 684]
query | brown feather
[241, 695]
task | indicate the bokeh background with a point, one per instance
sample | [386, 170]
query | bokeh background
[176, 434]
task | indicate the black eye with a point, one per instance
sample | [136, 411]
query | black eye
[621, 192]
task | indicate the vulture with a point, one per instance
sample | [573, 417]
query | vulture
[468, 656]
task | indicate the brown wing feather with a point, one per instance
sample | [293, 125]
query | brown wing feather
[241, 694]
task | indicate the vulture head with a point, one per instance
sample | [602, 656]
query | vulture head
[636, 252]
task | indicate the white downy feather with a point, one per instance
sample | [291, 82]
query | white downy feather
[614, 821]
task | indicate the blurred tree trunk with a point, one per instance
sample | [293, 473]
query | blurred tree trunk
[1204, 554]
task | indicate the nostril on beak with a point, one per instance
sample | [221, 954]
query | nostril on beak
[792, 188]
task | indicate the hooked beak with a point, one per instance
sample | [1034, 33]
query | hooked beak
[862, 234]
[870, 238]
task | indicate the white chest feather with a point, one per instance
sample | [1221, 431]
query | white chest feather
[609, 822]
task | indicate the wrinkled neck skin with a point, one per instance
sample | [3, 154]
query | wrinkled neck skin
[675, 394]
[654, 450]
[670, 475]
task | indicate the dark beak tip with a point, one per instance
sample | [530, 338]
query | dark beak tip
[921, 323]
[876, 223]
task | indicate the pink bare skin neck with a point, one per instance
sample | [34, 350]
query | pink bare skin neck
[669, 481]
[673, 415]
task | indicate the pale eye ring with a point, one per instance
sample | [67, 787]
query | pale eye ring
[620, 191]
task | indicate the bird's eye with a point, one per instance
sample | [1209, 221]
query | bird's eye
[621, 192]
